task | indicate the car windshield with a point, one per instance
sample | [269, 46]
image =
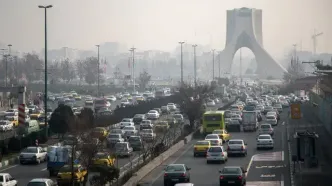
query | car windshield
[36, 183]
[217, 132]
[265, 126]
[121, 146]
[147, 131]
[138, 116]
[177, 116]
[101, 155]
[174, 168]
[202, 143]
[268, 108]
[233, 142]
[68, 169]
[211, 137]
[126, 120]
[231, 170]
[215, 149]
[134, 138]
[10, 114]
[270, 117]
[129, 128]
[264, 137]
[114, 136]
[30, 150]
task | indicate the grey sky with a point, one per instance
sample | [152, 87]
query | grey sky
[159, 24]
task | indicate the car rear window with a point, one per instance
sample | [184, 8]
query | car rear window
[270, 117]
[265, 126]
[235, 142]
[202, 143]
[264, 137]
[215, 149]
[173, 168]
[231, 170]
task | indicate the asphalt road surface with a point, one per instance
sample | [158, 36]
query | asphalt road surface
[265, 167]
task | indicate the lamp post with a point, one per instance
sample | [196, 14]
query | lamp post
[195, 67]
[213, 63]
[219, 61]
[7, 58]
[98, 78]
[45, 94]
[132, 50]
[181, 43]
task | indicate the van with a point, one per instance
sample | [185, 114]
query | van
[29, 127]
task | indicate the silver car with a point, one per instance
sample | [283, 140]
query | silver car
[216, 153]
[123, 149]
[266, 129]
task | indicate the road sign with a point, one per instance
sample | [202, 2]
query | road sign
[296, 111]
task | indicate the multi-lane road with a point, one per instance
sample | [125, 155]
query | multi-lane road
[265, 167]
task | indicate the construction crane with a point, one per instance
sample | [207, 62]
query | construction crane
[314, 39]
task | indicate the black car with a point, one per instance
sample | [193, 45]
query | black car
[176, 173]
[232, 175]
[135, 142]
[138, 118]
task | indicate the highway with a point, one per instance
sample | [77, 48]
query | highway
[265, 167]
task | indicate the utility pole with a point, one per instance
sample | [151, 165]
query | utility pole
[241, 79]
[213, 64]
[195, 66]
[98, 64]
[181, 43]
[133, 57]
[314, 39]
[219, 68]
[45, 94]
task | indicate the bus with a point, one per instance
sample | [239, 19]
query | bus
[213, 120]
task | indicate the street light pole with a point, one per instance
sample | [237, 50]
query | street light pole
[7, 58]
[213, 64]
[219, 61]
[181, 43]
[45, 94]
[98, 79]
[195, 67]
[133, 57]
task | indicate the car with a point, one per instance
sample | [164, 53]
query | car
[184, 184]
[41, 181]
[278, 107]
[232, 175]
[123, 149]
[7, 180]
[33, 154]
[266, 129]
[216, 153]
[223, 134]
[126, 124]
[268, 109]
[152, 115]
[201, 147]
[179, 118]
[135, 142]
[271, 119]
[176, 173]
[113, 138]
[138, 118]
[148, 135]
[265, 141]
[130, 131]
[214, 139]
[210, 103]
[237, 147]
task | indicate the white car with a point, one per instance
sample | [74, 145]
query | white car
[266, 129]
[6, 125]
[265, 141]
[171, 106]
[216, 153]
[130, 131]
[152, 114]
[126, 124]
[148, 134]
[111, 98]
[41, 181]
[210, 103]
[125, 102]
[214, 139]
[33, 154]
[7, 180]
[271, 119]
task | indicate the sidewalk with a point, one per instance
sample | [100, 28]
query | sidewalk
[323, 173]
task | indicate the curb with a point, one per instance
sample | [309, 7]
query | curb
[291, 163]
[15, 160]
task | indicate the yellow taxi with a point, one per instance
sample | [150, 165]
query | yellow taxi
[35, 115]
[201, 147]
[14, 121]
[99, 132]
[64, 175]
[139, 98]
[223, 134]
[162, 126]
[77, 97]
[102, 158]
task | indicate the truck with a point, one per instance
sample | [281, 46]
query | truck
[249, 121]
[58, 156]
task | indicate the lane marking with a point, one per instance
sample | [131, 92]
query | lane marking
[249, 165]
[8, 168]
[44, 169]
[282, 180]
[175, 160]
[282, 156]
[268, 175]
[283, 123]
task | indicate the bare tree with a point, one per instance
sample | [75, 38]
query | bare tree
[192, 100]
[295, 71]
[143, 79]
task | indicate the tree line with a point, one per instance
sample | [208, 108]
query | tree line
[30, 68]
